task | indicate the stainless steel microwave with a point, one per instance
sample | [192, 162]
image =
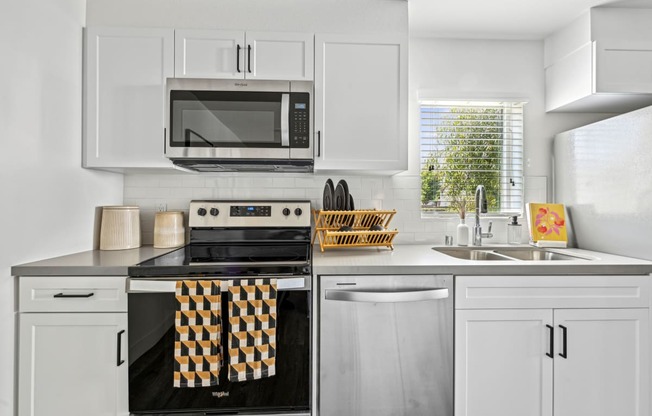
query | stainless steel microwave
[239, 125]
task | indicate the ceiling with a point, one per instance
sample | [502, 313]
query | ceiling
[500, 19]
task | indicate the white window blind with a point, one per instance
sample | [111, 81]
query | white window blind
[465, 144]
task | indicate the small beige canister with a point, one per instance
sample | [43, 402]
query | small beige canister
[169, 230]
[120, 228]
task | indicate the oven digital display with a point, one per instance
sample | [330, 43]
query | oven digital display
[251, 211]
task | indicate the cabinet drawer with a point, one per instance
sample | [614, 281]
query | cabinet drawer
[72, 294]
[530, 292]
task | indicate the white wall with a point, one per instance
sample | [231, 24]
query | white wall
[466, 69]
[330, 16]
[48, 200]
[604, 179]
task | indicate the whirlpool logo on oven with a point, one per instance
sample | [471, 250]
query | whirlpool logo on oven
[220, 394]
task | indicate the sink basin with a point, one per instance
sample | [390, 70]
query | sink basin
[526, 254]
[536, 255]
[472, 254]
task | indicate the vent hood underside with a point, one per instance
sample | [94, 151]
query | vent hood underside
[244, 165]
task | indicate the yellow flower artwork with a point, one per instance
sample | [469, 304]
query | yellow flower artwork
[547, 222]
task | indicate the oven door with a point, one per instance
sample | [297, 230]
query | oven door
[151, 328]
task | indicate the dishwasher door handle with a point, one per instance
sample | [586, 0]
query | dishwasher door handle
[386, 297]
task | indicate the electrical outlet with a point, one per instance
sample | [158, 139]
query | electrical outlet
[162, 207]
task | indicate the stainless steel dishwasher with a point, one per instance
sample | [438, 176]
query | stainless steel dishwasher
[385, 345]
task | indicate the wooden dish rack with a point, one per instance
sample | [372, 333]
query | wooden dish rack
[327, 224]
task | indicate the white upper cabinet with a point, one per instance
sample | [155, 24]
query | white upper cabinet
[602, 62]
[208, 54]
[244, 55]
[361, 103]
[124, 93]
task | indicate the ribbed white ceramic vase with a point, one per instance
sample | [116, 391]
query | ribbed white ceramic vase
[169, 230]
[120, 228]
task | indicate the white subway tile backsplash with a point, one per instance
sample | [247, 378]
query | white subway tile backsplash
[283, 182]
[407, 193]
[145, 181]
[399, 192]
[142, 192]
[194, 181]
[170, 182]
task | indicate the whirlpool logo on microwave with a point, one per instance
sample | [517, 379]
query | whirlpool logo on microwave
[241, 84]
[220, 394]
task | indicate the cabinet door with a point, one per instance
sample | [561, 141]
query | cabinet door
[68, 364]
[284, 56]
[623, 67]
[501, 366]
[604, 370]
[125, 96]
[209, 54]
[361, 103]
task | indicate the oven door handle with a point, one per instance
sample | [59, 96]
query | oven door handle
[167, 285]
[285, 120]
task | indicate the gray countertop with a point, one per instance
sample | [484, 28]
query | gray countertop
[404, 259]
[90, 263]
[419, 259]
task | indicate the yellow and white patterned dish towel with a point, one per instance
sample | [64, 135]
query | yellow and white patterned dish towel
[252, 335]
[198, 328]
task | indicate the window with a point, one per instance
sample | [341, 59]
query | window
[465, 144]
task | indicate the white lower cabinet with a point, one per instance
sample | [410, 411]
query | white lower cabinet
[501, 367]
[551, 361]
[71, 363]
[604, 367]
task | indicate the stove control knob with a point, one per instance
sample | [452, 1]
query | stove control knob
[298, 212]
[215, 212]
[286, 211]
[201, 212]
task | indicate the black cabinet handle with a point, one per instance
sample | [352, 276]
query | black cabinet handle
[318, 143]
[564, 342]
[249, 58]
[61, 295]
[237, 58]
[120, 360]
[551, 332]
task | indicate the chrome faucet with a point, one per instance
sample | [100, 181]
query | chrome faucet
[480, 207]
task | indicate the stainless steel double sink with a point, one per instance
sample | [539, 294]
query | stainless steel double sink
[507, 253]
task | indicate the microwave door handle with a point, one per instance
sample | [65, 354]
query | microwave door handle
[285, 120]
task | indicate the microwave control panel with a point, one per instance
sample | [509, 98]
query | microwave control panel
[300, 120]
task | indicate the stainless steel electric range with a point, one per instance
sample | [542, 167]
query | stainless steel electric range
[228, 240]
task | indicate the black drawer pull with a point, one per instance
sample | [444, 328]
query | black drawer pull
[61, 295]
[564, 342]
[237, 57]
[249, 58]
[120, 361]
[552, 341]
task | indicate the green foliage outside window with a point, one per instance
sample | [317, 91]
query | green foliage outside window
[469, 153]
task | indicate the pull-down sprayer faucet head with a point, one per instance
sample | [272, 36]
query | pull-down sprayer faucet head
[480, 208]
[480, 201]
